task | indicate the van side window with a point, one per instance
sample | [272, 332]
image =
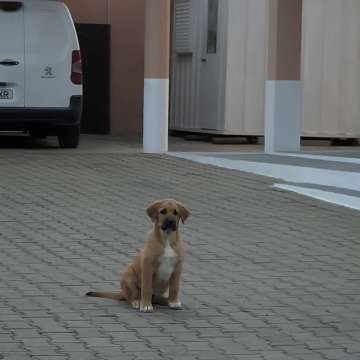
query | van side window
[212, 31]
[10, 5]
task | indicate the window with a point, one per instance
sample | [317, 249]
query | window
[212, 31]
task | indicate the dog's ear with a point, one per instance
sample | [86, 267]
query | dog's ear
[153, 210]
[183, 211]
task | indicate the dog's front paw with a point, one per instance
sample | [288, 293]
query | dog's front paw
[146, 308]
[135, 304]
[176, 305]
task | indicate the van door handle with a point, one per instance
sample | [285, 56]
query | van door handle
[8, 62]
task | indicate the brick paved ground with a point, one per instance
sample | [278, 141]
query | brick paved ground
[269, 275]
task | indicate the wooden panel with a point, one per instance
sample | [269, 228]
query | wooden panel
[331, 68]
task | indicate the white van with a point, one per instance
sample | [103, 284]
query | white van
[40, 70]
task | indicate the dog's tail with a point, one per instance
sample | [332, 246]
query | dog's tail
[107, 295]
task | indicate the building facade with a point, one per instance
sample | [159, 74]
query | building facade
[316, 42]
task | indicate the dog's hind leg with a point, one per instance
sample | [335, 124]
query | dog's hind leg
[133, 292]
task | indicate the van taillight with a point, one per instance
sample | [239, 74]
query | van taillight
[76, 68]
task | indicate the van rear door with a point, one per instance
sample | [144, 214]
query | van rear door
[50, 39]
[12, 60]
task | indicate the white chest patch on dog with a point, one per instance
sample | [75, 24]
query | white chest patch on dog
[167, 264]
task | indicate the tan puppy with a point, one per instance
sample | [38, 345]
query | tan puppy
[156, 270]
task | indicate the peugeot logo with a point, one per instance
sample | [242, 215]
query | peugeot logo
[48, 73]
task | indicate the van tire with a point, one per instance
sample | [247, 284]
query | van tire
[69, 137]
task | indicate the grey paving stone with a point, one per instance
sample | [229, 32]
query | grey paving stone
[55, 357]
[43, 350]
[186, 336]
[245, 357]
[149, 355]
[6, 338]
[107, 351]
[161, 341]
[72, 347]
[268, 274]
[112, 328]
[149, 332]
[11, 347]
[333, 353]
[276, 355]
[16, 356]
[88, 332]
[83, 356]
[36, 342]
[133, 346]
[209, 354]
[196, 345]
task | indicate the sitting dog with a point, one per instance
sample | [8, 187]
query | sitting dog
[156, 270]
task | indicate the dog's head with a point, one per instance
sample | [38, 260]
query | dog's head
[167, 214]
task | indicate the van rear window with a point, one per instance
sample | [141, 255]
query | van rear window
[10, 5]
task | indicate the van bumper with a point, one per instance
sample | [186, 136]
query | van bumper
[25, 119]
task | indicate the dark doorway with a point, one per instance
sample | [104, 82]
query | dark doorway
[95, 51]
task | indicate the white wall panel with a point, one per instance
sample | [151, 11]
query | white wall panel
[331, 68]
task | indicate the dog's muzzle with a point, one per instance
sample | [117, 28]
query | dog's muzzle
[169, 225]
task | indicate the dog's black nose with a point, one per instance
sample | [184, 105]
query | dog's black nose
[169, 224]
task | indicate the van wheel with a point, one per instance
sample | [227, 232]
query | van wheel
[69, 137]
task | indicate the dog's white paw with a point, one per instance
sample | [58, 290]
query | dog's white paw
[135, 304]
[146, 308]
[175, 305]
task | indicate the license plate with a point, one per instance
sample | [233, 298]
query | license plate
[6, 94]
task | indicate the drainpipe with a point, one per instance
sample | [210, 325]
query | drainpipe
[156, 82]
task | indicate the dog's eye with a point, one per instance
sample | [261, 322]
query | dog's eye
[163, 211]
[175, 212]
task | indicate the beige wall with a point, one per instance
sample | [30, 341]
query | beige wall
[331, 68]
[89, 11]
[126, 18]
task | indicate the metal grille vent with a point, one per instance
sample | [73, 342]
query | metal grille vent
[183, 26]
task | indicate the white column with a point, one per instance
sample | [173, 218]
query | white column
[156, 110]
[283, 115]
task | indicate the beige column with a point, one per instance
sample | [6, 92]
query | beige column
[285, 23]
[127, 65]
[156, 83]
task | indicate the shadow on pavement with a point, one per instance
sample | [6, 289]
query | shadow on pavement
[21, 141]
